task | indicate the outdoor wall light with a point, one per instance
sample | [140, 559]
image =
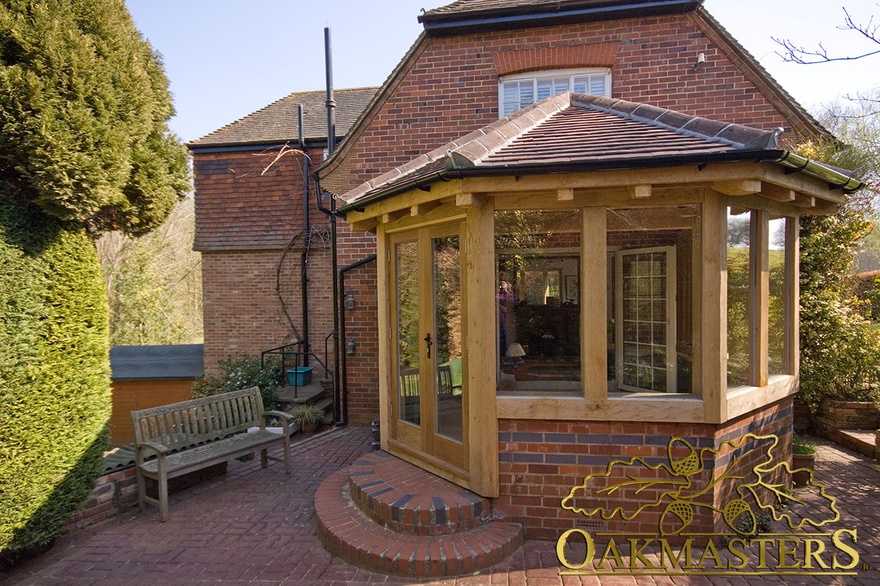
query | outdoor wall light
[701, 59]
[349, 301]
[350, 346]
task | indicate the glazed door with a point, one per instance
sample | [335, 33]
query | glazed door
[427, 403]
[646, 358]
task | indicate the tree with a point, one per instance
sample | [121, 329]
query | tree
[798, 54]
[84, 105]
[84, 147]
[154, 283]
[838, 345]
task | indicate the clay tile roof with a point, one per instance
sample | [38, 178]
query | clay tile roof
[570, 129]
[277, 122]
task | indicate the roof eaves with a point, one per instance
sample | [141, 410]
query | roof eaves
[522, 15]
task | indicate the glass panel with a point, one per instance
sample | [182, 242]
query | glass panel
[650, 291]
[537, 255]
[644, 355]
[447, 327]
[545, 88]
[739, 306]
[778, 306]
[407, 285]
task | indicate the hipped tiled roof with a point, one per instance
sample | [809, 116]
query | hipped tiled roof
[278, 123]
[575, 132]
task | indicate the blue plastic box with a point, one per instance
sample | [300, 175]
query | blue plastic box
[300, 376]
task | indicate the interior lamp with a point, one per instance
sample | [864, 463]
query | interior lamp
[515, 351]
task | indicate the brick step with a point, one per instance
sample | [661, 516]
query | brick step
[346, 532]
[406, 499]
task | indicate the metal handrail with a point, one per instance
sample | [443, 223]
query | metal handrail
[285, 352]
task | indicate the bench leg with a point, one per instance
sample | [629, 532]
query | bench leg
[163, 498]
[264, 458]
[142, 491]
[287, 455]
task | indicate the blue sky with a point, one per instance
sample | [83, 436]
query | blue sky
[228, 58]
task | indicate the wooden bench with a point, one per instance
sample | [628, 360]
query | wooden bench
[196, 434]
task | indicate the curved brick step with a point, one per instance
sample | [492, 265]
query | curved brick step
[406, 499]
[346, 532]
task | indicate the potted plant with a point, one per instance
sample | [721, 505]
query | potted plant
[307, 417]
[803, 459]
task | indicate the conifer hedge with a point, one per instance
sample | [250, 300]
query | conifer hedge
[54, 375]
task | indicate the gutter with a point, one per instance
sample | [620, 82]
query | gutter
[443, 24]
[793, 162]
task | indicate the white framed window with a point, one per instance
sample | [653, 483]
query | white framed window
[515, 92]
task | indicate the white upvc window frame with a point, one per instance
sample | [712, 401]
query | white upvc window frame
[535, 86]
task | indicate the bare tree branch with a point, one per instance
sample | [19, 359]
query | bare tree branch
[797, 54]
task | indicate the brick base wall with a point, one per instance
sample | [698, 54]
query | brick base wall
[834, 415]
[541, 462]
[113, 494]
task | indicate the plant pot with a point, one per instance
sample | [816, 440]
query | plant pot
[802, 465]
[310, 427]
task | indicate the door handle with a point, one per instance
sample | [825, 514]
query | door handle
[428, 343]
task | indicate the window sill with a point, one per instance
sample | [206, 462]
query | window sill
[653, 407]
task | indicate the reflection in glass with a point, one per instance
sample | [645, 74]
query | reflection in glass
[778, 302]
[739, 308]
[537, 255]
[447, 323]
[407, 289]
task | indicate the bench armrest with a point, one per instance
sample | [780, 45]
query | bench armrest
[279, 414]
[285, 418]
[159, 449]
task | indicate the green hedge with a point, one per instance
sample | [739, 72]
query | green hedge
[54, 375]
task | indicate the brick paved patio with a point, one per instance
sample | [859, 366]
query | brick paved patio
[256, 527]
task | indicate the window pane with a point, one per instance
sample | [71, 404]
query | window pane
[597, 85]
[650, 340]
[739, 306]
[545, 88]
[537, 255]
[778, 306]
[408, 389]
[560, 85]
[446, 260]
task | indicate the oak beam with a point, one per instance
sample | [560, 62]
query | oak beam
[738, 186]
[470, 200]
[638, 191]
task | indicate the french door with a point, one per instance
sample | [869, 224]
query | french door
[427, 394]
[646, 322]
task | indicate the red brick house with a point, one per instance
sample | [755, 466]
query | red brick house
[587, 302]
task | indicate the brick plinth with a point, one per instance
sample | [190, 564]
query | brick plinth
[448, 530]
[541, 462]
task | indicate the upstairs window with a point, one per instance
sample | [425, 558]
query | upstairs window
[518, 91]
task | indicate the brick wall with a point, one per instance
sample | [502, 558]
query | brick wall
[243, 311]
[542, 461]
